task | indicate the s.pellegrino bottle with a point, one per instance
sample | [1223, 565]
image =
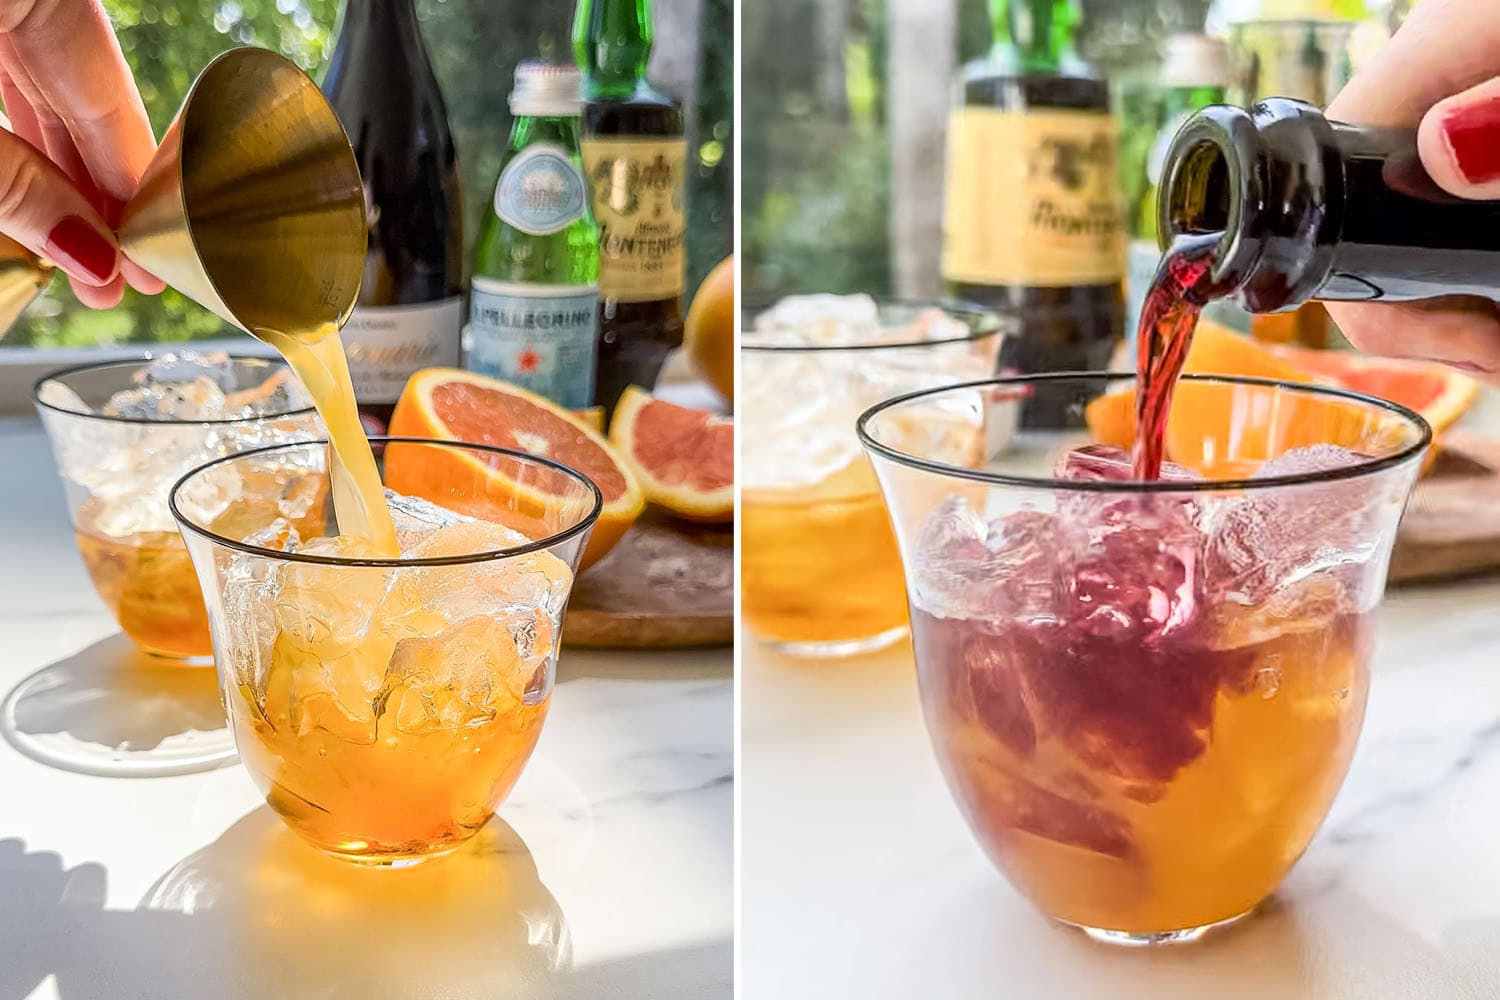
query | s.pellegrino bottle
[1033, 221]
[1306, 208]
[410, 310]
[635, 155]
[534, 298]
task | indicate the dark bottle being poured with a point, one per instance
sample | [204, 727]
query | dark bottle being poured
[1312, 209]
[410, 310]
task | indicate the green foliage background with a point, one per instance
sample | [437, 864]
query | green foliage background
[474, 44]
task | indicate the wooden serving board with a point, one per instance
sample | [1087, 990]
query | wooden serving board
[1452, 525]
[667, 584]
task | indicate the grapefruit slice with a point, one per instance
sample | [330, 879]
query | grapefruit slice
[1203, 426]
[708, 336]
[684, 458]
[456, 405]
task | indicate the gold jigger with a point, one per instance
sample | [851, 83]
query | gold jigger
[23, 275]
[252, 205]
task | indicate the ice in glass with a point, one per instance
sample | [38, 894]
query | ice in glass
[122, 433]
[820, 572]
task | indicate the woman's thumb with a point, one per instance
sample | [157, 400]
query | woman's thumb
[1459, 140]
[41, 209]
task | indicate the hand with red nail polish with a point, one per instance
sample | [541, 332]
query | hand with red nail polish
[1439, 74]
[79, 143]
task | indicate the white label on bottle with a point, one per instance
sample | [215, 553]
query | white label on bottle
[540, 337]
[541, 191]
[386, 344]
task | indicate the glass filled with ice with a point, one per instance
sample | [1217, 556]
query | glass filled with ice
[1145, 695]
[385, 706]
[820, 574]
[122, 432]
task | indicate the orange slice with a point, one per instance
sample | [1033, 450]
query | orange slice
[456, 405]
[708, 337]
[684, 458]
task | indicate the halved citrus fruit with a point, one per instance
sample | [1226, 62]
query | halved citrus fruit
[1203, 426]
[457, 405]
[708, 337]
[684, 458]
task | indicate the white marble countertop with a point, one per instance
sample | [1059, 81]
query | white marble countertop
[861, 880]
[611, 874]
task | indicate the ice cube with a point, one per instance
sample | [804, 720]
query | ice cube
[1109, 463]
[188, 366]
[417, 519]
[328, 609]
[199, 399]
[1009, 568]
[821, 319]
[453, 679]
[134, 513]
[337, 694]
[1268, 539]
[60, 396]
[1139, 570]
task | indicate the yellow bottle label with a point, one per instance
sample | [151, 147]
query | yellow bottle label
[637, 185]
[1032, 199]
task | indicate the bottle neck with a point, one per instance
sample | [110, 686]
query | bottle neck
[1271, 181]
[392, 17]
[532, 128]
[1037, 35]
[612, 41]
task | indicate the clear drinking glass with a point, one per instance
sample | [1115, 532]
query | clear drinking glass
[118, 466]
[387, 706]
[820, 574]
[1145, 695]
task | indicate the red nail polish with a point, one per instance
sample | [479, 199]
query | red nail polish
[1473, 134]
[79, 247]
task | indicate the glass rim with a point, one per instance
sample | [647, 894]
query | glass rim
[147, 358]
[490, 555]
[1128, 486]
[983, 322]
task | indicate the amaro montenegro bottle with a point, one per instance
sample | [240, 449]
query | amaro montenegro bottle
[635, 156]
[410, 309]
[534, 300]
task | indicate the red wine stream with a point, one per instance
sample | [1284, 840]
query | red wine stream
[1173, 303]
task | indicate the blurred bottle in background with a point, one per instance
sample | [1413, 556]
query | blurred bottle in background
[1194, 74]
[1311, 59]
[534, 299]
[635, 156]
[410, 309]
[1033, 220]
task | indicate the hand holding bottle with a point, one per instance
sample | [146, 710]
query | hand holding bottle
[1441, 75]
[78, 143]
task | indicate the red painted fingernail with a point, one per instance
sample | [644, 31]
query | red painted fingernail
[83, 251]
[1473, 134]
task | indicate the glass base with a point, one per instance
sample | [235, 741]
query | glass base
[1147, 939]
[389, 860]
[114, 711]
[838, 647]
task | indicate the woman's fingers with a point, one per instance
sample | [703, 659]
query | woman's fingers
[1459, 331]
[1459, 140]
[44, 211]
[77, 66]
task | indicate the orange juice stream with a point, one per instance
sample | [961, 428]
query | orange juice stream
[358, 496]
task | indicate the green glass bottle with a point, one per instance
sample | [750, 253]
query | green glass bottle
[1034, 222]
[534, 300]
[635, 156]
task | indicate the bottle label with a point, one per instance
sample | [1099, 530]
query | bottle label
[1033, 198]
[385, 344]
[638, 202]
[541, 190]
[541, 337]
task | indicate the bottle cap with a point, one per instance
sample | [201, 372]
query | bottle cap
[544, 88]
[1195, 61]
